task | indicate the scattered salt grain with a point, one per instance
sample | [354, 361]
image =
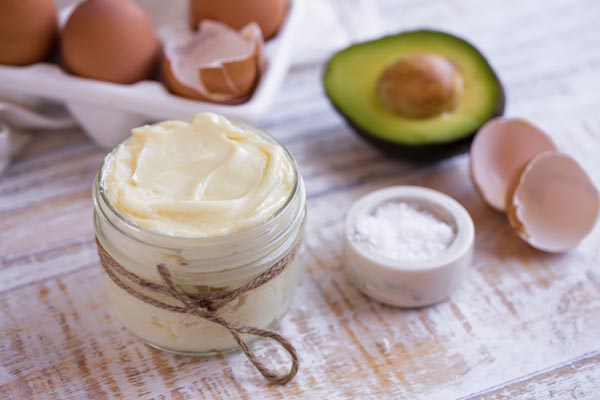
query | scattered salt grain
[386, 347]
[403, 232]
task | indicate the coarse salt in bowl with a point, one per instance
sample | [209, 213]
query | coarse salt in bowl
[407, 246]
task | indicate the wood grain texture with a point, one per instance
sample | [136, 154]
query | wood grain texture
[523, 325]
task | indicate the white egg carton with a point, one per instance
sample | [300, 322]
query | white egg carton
[108, 111]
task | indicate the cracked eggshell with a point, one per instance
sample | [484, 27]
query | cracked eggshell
[552, 204]
[499, 151]
[216, 64]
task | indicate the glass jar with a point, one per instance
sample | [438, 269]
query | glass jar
[199, 265]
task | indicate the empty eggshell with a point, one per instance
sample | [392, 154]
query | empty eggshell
[217, 63]
[499, 151]
[553, 204]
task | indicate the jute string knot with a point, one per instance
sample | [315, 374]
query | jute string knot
[207, 305]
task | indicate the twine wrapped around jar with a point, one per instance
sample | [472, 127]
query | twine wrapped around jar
[207, 305]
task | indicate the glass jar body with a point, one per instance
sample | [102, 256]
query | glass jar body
[198, 266]
[190, 335]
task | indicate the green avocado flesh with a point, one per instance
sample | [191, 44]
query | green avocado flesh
[352, 74]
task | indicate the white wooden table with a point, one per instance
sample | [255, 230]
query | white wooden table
[524, 324]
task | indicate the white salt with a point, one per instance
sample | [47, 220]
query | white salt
[403, 232]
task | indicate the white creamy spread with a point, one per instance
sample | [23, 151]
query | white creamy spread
[204, 178]
[200, 179]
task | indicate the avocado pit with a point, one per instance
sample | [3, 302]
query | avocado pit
[420, 85]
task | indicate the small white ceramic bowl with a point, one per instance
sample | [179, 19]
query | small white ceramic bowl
[410, 283]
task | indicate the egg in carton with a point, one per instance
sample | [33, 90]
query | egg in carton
[108, 106]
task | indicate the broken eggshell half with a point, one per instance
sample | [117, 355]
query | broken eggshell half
[216, 63]
[499, 151]
[552, 204]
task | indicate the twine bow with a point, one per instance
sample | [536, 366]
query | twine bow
[207, 305]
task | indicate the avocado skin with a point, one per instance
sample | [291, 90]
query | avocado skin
[423, 153]
[428, 153]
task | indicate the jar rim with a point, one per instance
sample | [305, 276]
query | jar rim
[187, 240]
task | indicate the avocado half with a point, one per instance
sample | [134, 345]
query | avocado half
[351, 80]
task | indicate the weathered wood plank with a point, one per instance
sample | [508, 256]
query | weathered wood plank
[403, 352]
[576, 379]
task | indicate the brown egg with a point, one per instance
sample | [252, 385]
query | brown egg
[109, 40]
[268, 14]
[215, 64]
[27, 30]
[553, 204]
[499, 151]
